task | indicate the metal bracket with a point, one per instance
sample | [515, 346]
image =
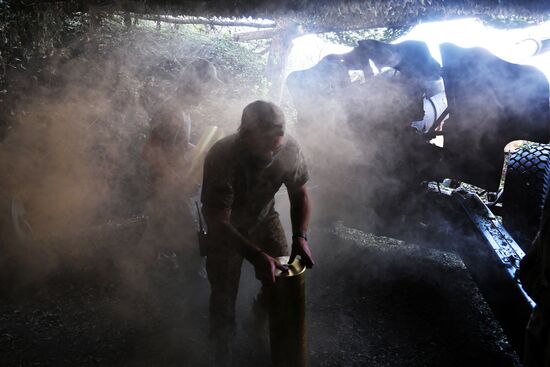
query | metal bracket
[488, 225]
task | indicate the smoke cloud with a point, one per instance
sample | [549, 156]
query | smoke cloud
[74, 160]
[73, 157]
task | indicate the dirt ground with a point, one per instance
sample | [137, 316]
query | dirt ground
[371, 301]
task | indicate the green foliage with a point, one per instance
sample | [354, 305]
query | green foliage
[510, 21]
[350, 38]
[29, 33]
[239, 62]
[44, 48]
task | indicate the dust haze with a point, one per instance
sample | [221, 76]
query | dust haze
[73, 158]
[73, 155]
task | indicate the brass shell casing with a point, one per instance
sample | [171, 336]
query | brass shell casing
[287, 317]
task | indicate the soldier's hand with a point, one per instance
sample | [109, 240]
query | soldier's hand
[265, 267]
[301, 248]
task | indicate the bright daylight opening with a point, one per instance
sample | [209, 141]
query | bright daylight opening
[514, 45]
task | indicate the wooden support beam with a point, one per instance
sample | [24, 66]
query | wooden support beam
[256, 35]
[206, 21]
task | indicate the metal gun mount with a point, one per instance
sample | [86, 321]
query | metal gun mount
[504, 246]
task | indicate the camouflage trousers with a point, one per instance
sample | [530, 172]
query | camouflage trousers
[223, 265]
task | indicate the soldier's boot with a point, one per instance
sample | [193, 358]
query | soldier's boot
[223, 348]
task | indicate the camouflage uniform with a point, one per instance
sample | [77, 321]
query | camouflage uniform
[170, 230]
[232, 182]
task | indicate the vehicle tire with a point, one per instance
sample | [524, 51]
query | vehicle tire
[525, 188]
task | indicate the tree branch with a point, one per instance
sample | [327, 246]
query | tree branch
[256, 35]
[201, 20]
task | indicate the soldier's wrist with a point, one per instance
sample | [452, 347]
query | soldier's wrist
[300, 234]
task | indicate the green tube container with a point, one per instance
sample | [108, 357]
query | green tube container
[287, 317]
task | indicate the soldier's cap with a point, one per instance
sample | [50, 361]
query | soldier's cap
[201, 71]
[263, 117]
